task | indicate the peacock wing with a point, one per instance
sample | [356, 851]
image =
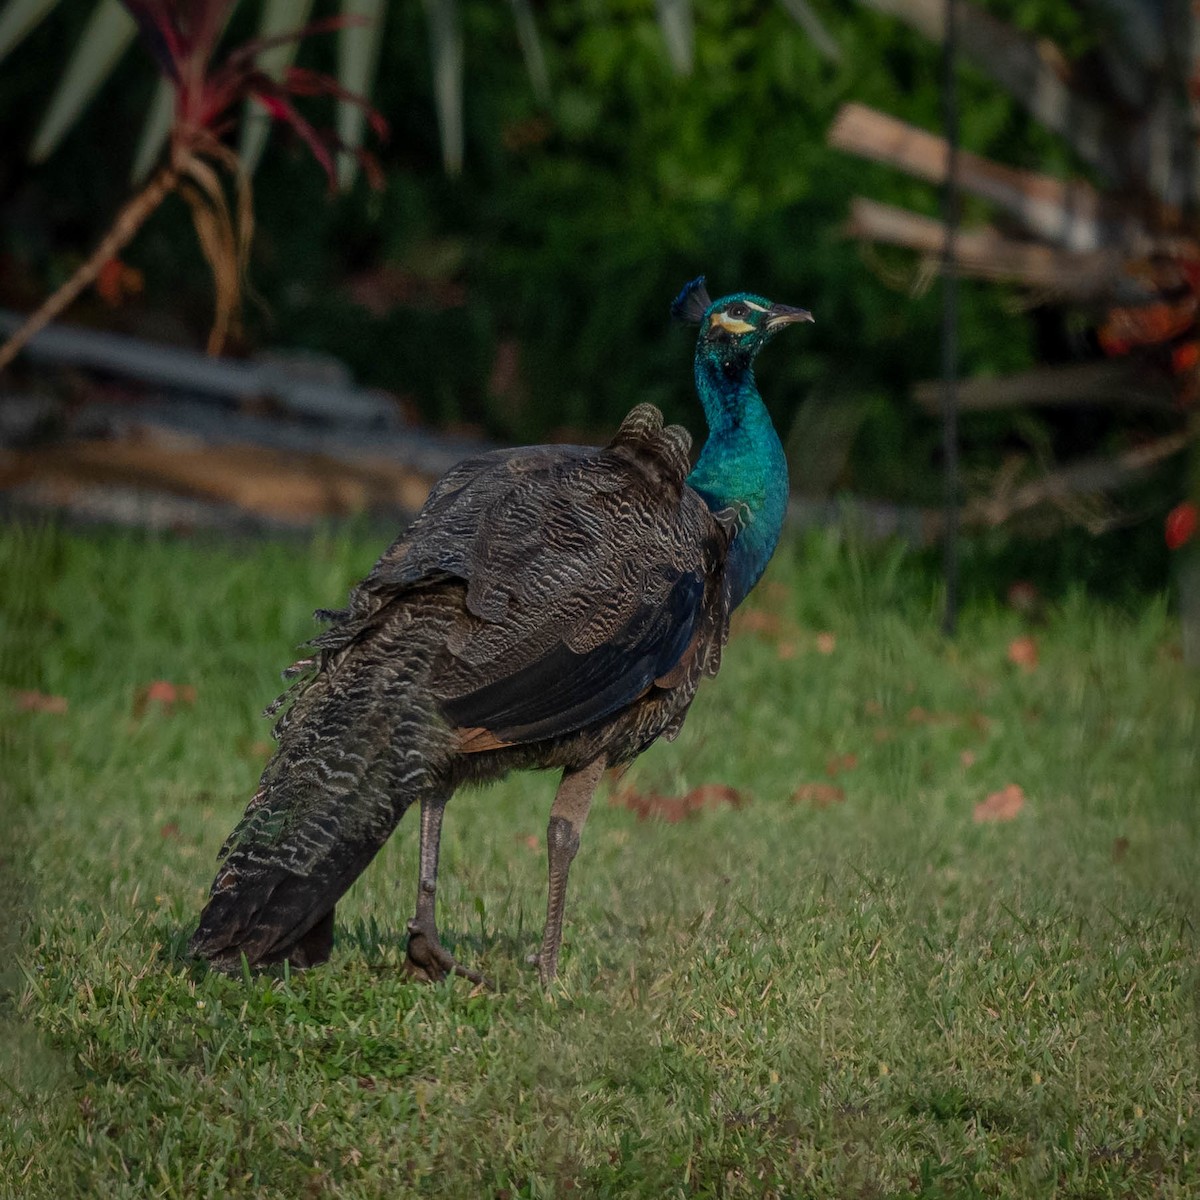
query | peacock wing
[591, 576]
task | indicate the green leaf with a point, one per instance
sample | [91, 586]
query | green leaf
[155, 130]
[446, 51]
[358, 56]
[806, 17]
[278, 17]
[678, 25]
[531, 48]
[18, 18]
[105, 39]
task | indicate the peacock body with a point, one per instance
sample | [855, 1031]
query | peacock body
[551, 606]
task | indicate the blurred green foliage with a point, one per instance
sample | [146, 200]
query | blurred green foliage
[558, 249]
[573, 227]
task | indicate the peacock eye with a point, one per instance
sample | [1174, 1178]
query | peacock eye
[738, 310]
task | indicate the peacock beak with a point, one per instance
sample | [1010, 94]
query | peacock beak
[783, 314]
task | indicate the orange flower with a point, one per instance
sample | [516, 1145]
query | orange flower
[1146, 325]
[1184, 358]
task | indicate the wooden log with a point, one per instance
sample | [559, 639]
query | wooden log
[1119, 383]
[1069, 214]
[193, 373]
[986, 253]
[1033, 71]
[1086, 477]
[285, 486]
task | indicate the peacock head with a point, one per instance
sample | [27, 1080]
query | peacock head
[735, 328]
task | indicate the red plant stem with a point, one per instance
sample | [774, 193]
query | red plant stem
[122, 231]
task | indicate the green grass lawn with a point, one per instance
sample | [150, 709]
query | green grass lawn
[821, 994]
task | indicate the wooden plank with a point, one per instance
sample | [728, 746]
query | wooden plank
[1084, 477]
[290, 487]
[1069, 214]
[425, 451]
[193, 373]
[1120, 383]
[988, 254]
[1033, 71]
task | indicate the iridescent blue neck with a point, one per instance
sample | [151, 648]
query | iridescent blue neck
[742, 466]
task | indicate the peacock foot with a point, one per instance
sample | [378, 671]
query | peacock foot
[429, 961]
[546, 964]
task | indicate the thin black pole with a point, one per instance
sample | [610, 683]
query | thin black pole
[950, 322]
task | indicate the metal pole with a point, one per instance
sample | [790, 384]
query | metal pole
[950, 323]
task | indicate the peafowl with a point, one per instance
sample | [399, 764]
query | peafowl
[551, 606]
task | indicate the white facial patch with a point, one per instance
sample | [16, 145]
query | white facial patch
[731, 324]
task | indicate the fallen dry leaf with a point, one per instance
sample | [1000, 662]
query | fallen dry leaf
[819, 795]
[1024, 597]
[647, 805]
[672, 809]
[1023, 652]
[837, 763]
[530, 841]
[1120, 848]
[755, 620]
[168, 696]
[826, 643]
[713, 795]
[967, 758]
[255, 749]
[922, 716]
[1003, 805]
[169, 830]
[41, 702]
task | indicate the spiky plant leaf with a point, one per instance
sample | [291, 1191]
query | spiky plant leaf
[446, 50]
[18, 18]
[358, 56]
[678, 25]
[106, 38]
[806, 17]
[154, 132]
[531, 48]
[278, 17]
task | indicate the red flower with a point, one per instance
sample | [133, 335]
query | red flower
[182, 36]
[1181, 524]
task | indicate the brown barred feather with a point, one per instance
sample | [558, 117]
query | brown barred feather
[547, 607]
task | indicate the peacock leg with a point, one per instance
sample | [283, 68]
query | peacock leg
[567, 816]
[427, 958]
